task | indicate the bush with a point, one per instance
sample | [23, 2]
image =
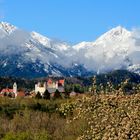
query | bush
[57, 94]
[27, 136]
[18, 136]
[109, 117]
[66, 109]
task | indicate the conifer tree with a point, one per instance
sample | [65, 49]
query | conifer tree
[38, 95]
[57, 94]
[46, 95]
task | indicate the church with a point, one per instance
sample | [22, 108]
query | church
[9, 92]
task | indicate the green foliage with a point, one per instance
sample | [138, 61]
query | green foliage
[66, 109]
[107, 116]
[43, 135]
[68, 88]
[22, 83]
[78, 88]
[57, 94]
[18, 136]
[116, 77]
[125, 87]
[26, 136]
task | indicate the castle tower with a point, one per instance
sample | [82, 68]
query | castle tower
[36, 86]
[39, 87]
[15, 89]
[45, 85]
[56, 85]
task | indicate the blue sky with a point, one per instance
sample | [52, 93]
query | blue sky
[71, 20]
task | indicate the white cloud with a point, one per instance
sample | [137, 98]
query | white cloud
[116, 49]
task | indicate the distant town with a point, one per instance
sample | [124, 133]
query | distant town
[41, 89]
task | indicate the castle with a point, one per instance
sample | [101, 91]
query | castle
[50, 85]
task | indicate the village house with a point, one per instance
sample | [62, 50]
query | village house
[13, 93]
[9, 92]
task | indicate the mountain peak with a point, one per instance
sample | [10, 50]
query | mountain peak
[30, 54]
[118, 30]
[118, 33]
[7, 27]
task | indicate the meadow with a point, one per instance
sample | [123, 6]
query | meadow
[113, 116]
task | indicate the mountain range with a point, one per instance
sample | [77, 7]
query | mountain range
[30, 54]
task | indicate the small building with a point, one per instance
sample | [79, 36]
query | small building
[9, 92]
[12, 93]
[21, 94]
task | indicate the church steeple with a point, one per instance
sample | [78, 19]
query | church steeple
[15, 89]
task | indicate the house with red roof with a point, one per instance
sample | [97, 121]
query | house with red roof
[9, 92]
[13, 93]
[61, 83]
[21, 94]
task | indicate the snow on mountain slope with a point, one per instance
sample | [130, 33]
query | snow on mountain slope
[48, 42]
[28, 54]
[83, 45]
[135, 68]
[33, 55]
[6, 29]
[115, 49]
[117, 34]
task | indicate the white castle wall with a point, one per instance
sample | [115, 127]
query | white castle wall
[40, 89]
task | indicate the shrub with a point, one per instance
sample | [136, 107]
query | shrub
[43, 135]
[66, 109]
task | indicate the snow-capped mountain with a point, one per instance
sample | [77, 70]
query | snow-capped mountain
[7, 27]
[27, 54]
[30, 54]
[116, 49]
[135, 68]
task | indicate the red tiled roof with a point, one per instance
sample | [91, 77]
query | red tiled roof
[7, 90]
[20, 94]
[49, 81]
[61, 82]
